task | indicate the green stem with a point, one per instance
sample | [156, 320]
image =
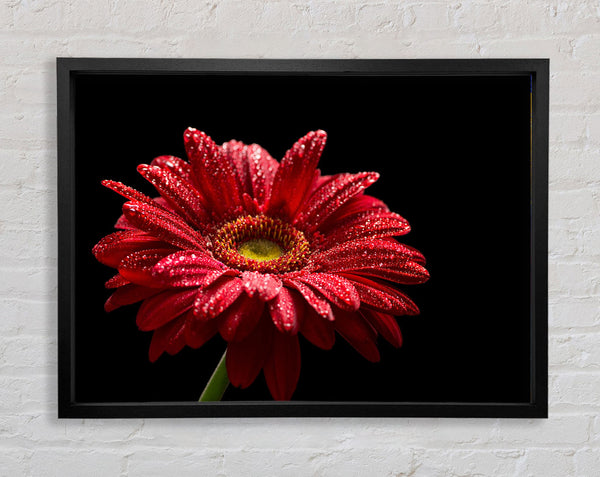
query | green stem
[217, 384]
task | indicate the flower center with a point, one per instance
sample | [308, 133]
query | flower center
[260, 249]
[262, 244]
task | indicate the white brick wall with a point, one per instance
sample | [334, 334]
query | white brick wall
[34, 443]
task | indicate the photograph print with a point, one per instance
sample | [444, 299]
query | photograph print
[305, 239]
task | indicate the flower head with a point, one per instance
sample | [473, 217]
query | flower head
[258, 251]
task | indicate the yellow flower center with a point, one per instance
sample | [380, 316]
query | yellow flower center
[260, 243]
[260, 250]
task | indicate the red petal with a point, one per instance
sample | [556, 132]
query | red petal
[127, 295]
[179, 193]
[282, 366]
[411, 273]
[123, 223]
[295, 175]
[330, 196]
[213, 300]
[236, 152]
[317, 330]
[137, 267]
[164, 307]
[382, 297]
[358, 332]
[262, 170]
[264, 285]
[356, 205]
[185, 269]
[163, 225]
[128, 192]
[367, 225]
[177, 166]
[241, 318]
[286, 309]
[115, 247]
[198, 332]
[369, 253]
[337, 289]
[385, 325]
[314, 298]
[167, 336]
[214, 172]
[116, 282]
[245, 359]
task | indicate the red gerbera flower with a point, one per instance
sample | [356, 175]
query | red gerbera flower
[259, 251]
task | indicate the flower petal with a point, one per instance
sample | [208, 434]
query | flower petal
[164, 307]
[128, 192]
[198, 332]
[116, 281]
[382, 297]
[246, 358]
[127, 295]
[262, 170]
[179, 194]
[186, 268]
[137, 266]
[355, 205]
[385, 325]
[313, 298]
[317, 330]
[370, 224]
[282, 366]
[358, 332]
[238, 321]
[411, 273]
[330, 196]
[295, 175]
[115, 247]
[169, 336]
[214, 172]
[286, 309]
[162, 224]
[175, 165]
[213, 300]
[264, 285]
[367, 253]
[335, 288]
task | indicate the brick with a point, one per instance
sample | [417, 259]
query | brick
[574, 279]
[557, 430]
[593, 131]
[69, 462]
[573, 313]
[25, 354]
[575, 166]
[548, 462]
[575, 389]
[468, 462]
[586, 94]
[573, 204]
[575, 350]
[15, 462]
[585, 50]
[43, 15]
[26, 316]
[183, 463]
[380, 17]
[587, 461]
[567, 128]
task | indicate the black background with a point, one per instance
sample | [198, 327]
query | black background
[453, 154]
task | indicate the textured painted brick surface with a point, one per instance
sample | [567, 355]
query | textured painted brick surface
[34, 443]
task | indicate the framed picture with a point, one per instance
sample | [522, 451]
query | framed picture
[302, 237]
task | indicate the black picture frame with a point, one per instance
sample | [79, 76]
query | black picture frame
[528, 280]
